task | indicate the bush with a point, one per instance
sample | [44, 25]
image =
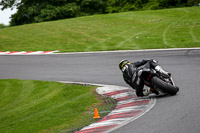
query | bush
[193, 2]
[58, 12]
[153, 5]
[122, 5]
[44, 12]
[93, 6]
[2, 26]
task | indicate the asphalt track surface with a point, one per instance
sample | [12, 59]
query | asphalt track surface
[175, 114]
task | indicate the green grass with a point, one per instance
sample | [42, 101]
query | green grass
[150, 29]
[28, 106]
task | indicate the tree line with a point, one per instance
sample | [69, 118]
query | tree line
[33, 11]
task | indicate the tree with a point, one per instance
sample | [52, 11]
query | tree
[125, 5]
[93, 6]
[31, 11]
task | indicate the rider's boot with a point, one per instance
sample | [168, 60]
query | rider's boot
[147, 91]
[163, 72]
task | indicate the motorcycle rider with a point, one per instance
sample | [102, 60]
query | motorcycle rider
[131, 74]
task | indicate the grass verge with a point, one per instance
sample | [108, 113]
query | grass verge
[31, 106]
[150, 29]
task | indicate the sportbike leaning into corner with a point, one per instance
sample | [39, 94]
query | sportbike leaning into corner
[149, 73]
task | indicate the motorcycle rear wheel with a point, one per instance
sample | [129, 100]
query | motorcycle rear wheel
[165, 87]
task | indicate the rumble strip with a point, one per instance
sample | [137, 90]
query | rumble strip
[129, 107]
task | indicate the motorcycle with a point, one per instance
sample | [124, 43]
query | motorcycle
[160, 83]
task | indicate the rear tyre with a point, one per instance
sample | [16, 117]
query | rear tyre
[165, 87]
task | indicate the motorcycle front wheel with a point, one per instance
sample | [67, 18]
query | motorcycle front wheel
[165, 87]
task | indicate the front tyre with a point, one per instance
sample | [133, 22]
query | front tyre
[168, 88]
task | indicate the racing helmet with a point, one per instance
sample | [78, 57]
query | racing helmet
[122, 63]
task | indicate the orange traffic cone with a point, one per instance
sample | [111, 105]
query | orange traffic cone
[96, 114]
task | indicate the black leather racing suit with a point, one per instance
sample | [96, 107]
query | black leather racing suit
[130, 74]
